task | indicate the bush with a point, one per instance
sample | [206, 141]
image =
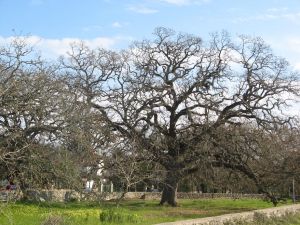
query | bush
[118, 216]
[53, 220]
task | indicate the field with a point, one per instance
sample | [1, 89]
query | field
[138, 212]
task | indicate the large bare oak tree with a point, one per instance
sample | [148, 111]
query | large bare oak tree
[173, 96]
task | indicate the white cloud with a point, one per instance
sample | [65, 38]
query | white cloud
[142, 9]
[291, 16]
[117, 24]
[276, 10]
[297, 66]
[287, 47]
[272, 14]
[292, 46]
[53, 48]
[184, 2]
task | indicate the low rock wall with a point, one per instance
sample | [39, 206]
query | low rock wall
[190, 195]
[236, 217]
[8, 196]
[64, 195]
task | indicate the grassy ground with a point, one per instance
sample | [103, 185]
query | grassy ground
[138, 212]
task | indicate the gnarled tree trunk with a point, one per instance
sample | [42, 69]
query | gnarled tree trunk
[169, 194]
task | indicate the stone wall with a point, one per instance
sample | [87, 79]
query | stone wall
[189, 195]
[10, 196]
[64, 195]
[235, 217]
[70, 195]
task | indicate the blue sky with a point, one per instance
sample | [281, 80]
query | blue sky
[54, 24]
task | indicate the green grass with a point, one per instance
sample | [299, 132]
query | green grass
[145, 212]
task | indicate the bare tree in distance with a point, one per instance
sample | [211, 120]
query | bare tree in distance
[175, 93]
[126, 163]
[267, 158]
[32, 104]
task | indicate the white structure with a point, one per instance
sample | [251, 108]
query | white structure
[90, 183]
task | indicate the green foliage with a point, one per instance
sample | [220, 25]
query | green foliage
[118, 216]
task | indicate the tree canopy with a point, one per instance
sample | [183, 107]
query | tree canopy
[175, 99]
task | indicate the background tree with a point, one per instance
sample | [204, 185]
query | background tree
[32, 116]
[262, 156]
[125, 163]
